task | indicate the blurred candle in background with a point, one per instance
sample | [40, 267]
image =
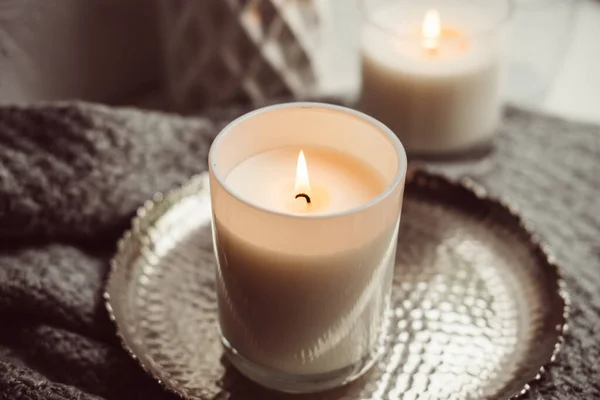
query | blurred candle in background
[431, 71]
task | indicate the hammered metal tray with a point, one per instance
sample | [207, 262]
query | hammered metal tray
[478, 307]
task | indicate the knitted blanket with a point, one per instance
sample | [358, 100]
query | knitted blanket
[72, 174]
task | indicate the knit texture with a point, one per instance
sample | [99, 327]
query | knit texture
[72, 174]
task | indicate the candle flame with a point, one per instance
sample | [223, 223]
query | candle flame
[302, 182]
[431, 29]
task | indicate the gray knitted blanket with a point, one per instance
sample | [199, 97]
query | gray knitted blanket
[71, 176]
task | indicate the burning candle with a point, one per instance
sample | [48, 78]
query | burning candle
[306, 202]
[433, 75]
[339, 182]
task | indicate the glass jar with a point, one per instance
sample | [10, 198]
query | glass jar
[304, 287]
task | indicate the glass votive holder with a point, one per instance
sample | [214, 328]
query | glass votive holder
[431, 71]
[305, 244]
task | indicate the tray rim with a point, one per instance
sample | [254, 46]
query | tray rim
[418, 175]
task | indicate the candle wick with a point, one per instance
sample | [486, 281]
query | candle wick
[305, 196]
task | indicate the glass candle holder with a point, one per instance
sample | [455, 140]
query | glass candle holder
[306, 201]
[431, 70]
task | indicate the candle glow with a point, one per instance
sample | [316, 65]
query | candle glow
[302, 181]
[431, 30]
[302, 184]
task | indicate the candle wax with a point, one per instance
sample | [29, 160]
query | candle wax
[338, 182]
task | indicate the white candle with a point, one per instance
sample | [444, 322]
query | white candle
[432, 75]
[321, 296]
[306, 201]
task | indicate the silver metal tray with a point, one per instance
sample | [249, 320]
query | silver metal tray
[479, 309]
